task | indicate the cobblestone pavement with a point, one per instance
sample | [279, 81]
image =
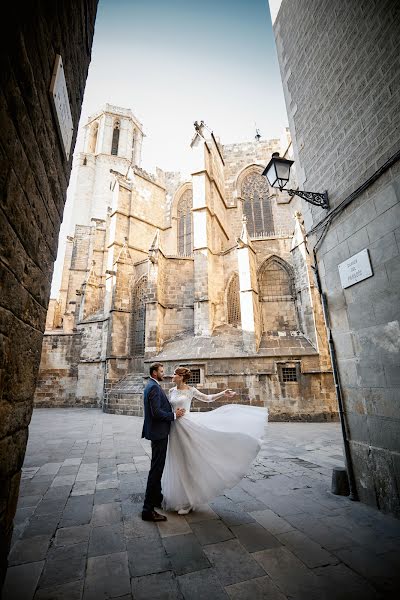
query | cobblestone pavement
[279, 534]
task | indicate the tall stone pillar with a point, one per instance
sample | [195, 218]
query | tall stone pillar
[309, 306]
[118, 278]
[249, 303]
[209, 235]
[155, 298]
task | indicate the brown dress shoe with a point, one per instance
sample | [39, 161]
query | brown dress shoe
[153, 516]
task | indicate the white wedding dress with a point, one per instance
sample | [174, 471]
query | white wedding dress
[208, 452]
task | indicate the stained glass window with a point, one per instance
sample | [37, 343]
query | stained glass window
[184, 214]
[257, 205]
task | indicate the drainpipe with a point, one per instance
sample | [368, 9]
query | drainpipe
[338, 388]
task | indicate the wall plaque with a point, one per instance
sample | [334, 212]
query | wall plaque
[61, 106]
[355, 269]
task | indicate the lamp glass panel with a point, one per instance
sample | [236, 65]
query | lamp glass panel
[271, 175]
[283, 170]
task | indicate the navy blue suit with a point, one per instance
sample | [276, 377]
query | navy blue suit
[158, 415]
[157, 412]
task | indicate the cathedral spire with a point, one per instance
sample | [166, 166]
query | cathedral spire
[124, 255]
[155, 247]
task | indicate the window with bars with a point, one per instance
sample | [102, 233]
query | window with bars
[233, 298]
[275, 281]
[139, 318]
[257, 205]
[184, 214]
[194, 377]
[289, 374]
[115, 139]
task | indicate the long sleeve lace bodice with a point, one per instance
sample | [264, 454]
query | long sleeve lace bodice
[183, 398]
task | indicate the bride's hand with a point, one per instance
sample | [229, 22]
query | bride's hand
[229, 393]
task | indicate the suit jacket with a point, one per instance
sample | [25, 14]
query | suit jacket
[158, 413]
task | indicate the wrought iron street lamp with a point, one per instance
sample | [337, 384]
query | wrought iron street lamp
[277, 172]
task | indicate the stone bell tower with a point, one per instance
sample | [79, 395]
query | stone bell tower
[113, 142]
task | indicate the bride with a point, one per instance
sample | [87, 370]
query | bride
[207, 451]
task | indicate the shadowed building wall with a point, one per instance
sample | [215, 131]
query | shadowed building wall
[34, 180]
[341, 76]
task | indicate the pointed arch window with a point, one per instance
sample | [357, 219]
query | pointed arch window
[184, 214]
[115, 139]
[275, 281]
[233, 297]
[277, 297]
[257, 205]
[139, 317]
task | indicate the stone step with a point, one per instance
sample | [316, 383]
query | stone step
[132, 383]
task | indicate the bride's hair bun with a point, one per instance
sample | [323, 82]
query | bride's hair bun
[184, 372]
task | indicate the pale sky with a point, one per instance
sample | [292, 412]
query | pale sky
[173, 62]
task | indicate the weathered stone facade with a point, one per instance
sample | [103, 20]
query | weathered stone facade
[212, 271]
[343, 99]
[34, 179]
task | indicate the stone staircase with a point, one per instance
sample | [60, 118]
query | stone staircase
[126, 396]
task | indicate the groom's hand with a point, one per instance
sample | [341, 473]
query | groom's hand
[180, 412]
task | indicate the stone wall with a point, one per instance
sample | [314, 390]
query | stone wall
[258, 382]
[34, 180]
[342, 93]
[56, 384]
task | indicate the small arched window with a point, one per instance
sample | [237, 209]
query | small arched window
[257, 205]
[115, 139]
[184, 214]
[233, 297]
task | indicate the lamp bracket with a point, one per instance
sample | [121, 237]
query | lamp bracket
[311, 197]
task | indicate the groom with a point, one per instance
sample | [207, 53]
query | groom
[158, 415]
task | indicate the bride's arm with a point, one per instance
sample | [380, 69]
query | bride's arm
[211, 397]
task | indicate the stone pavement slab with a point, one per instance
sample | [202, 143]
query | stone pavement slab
[160, 586]
[259, 588]
[21, 581]
[67, 591]
[185, 553]
[278, 534]
[202, 585]
[232, 562]
[147, 557]
[107, 577]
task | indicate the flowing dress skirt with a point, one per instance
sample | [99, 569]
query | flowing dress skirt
[209, 452]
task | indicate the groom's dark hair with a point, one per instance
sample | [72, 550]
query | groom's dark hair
[154, 367]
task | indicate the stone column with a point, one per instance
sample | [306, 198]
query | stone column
[154, 304]
[309, 306]
[249, 303]
[202, 234]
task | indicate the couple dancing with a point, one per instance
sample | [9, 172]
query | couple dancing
[203, 453]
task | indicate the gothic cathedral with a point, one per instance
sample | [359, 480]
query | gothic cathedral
[210, 271]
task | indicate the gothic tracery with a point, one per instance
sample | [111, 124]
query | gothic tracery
[184, 215]
[257, 204]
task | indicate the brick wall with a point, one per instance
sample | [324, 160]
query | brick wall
[340, 64]
[33, 184]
